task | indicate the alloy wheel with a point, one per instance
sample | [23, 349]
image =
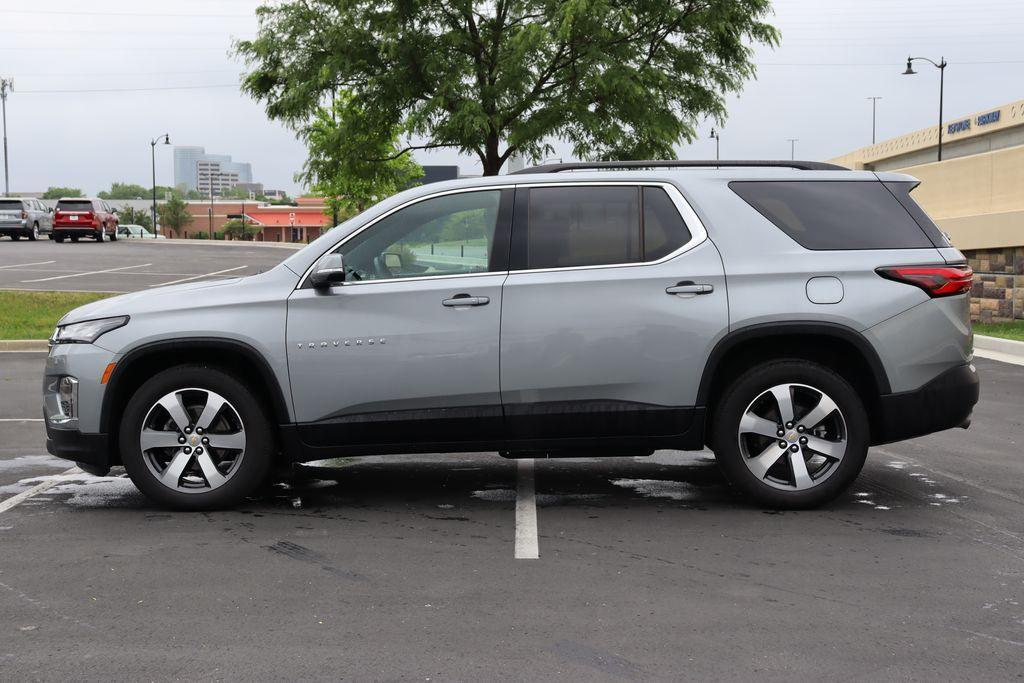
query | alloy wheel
[192, 440]
[792, 437]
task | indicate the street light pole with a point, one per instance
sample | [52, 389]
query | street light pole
[717, 139]
[792, 147]
[874, 107]
[5, 84]
[941, 66]
[152, 149]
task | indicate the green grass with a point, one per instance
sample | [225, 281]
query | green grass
[1014, 330]
[33, 315]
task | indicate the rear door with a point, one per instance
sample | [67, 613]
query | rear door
[614, 301]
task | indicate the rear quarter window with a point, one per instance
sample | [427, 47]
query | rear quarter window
[835, 215]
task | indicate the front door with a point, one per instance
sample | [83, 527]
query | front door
[609, 312]
[406, 350]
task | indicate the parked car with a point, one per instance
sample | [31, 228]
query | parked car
[786, 315]
[132, 231]
[24, 217]
[77, 217]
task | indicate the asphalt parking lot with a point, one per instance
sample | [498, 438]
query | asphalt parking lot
[129, 265]
[405, 567]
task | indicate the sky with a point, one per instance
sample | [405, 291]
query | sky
[95, 82]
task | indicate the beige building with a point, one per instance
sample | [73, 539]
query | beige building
[975, 194]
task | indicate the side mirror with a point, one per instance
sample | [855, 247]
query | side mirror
[50, 209]
[329, 271]
[392, 262]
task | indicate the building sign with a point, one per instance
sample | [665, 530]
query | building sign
[980, 120]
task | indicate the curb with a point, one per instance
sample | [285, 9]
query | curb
[294, 246]
[24, 345]
[1008, 347]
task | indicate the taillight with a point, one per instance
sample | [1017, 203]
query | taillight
[935, 280]
[24, 214]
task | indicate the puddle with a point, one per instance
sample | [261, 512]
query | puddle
[25, 462]
[659, 488]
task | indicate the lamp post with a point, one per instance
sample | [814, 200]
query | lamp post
[792, 147]
[152, 149]
[941, 66]
[714, 136]
[5, 85]
[874, 107]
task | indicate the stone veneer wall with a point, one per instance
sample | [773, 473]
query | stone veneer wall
[998, 292]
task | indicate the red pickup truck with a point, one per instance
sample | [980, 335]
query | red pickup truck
[77, 217]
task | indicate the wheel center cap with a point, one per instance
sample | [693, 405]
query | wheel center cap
[194, 440]
[791, 437]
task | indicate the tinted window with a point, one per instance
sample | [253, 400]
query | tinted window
[74, 205]
[448, 235]
[10, 204]
[664, 229]
[583, 226]
[902, 192]
[835, 214]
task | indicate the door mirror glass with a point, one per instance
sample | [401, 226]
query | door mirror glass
[329, 271]
[392, 262]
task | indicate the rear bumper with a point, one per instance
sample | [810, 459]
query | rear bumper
[75, 229]
[943, 403]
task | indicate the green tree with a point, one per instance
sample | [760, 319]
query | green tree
[126, 191]
[58, 192]
[238, 230]
[130, 216]
[616, 79]
[343, 160]
[174, 214]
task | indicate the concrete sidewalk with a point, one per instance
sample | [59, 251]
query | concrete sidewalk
[996, 348]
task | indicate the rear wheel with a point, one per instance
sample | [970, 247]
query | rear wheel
[57, 238]
[791, 434]
[100, 233]
[195, 438]
[33, 234]
[15, 237]
[74, 238]
[113, 235]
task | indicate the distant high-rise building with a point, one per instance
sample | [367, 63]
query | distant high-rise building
[194, 169]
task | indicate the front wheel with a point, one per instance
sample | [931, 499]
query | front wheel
[790, 434]
[195, 438]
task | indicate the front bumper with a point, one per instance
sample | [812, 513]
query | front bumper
[943, 403]
[92, 450]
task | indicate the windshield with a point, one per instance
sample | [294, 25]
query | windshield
[74, 205]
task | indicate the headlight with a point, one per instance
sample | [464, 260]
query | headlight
[86, 332]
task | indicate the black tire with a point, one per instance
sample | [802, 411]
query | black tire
[15, 237]
[257, 456]
[33, 234]
[99, 234]
[57, 238]
[742, 393]
[74, 238]
[113, 235]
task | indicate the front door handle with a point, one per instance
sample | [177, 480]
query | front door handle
[690, 288]
[466, 300]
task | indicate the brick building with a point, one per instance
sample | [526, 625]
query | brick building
[302, 223]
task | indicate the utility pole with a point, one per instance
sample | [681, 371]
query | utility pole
[5, 85]
[874, 108]
[792, 148]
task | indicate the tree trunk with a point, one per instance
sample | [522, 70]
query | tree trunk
[492, 159]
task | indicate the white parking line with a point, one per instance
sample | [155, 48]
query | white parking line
[526, 512]
[20, 419]
[22, 265]
[91, 272]
[38, 488]
[196, 277]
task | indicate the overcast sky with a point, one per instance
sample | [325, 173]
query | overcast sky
[835, 53]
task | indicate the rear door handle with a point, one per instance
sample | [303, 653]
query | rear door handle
[466, 300]
[690, 288]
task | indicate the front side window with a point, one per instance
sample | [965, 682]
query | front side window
[583, 226]
[448, 235]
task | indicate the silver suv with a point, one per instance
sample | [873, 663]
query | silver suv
[24, 217]
[786, 315]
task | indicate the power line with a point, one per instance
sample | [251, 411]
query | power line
[79, 13]
[169, 87]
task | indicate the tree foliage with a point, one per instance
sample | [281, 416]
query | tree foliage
[350, 166]
[131, 216]
[58, 192]
[174, 214]
[126, 191]
[615, 78]
[239, 230]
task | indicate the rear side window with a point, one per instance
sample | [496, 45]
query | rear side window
[902, 193]
[824, 215]
[664, 229]
[583, 226]
[74, 205]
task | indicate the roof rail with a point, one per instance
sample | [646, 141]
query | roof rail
[679, 163]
